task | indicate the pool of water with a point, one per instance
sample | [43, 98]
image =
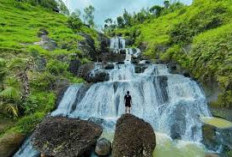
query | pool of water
[166, 147]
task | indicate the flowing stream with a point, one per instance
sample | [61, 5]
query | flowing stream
[171, 103]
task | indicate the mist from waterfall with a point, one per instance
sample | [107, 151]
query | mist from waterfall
[171, 103]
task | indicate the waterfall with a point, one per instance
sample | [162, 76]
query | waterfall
[171, 103]
[117, 43]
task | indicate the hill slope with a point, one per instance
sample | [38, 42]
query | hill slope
[199, 39]
[36, 48]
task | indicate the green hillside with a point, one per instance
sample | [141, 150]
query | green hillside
[31, 76]
[197, 37]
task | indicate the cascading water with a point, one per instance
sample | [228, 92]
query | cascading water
[171, 103]
[117, 43]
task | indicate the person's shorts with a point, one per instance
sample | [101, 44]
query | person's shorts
[128, 105]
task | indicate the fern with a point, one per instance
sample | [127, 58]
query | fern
[10, 108]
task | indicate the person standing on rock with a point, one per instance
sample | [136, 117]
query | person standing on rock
[128, 102]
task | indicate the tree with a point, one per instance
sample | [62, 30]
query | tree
[127, 18]
[109, 21]
[74, 21]
[63, 9]
[120, 22]
[166, 3]
[156, 10]
[88, 16]
[77, 13]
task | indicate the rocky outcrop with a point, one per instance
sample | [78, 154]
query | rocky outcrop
[112, 57]
[58, 136]
[133, 138]
[9, 144]
[85, 69]
[214, 138]
[103, 147]
[87, 46]
[105, 42]
[47, 43]
[98, 76]
[74, 66]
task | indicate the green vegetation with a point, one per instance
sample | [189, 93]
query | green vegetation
[31, 75]
[197, 37]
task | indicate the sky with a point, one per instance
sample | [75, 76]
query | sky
[113, 8]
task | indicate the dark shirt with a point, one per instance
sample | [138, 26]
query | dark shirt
[127, 99]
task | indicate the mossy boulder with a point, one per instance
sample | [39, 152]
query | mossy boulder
[133, 137]
[9, 143]
[103, 147]
[59, 136]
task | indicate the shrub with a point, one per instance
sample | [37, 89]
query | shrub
[56, 67]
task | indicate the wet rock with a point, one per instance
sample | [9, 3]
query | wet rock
[210, 139]
[109, 66]
[74, 66]
[9, 143]
[103, 147]
[140, 68]
[112, 57]
[98, 76]
[122, 51]
[120, 63]
[59, 136]
[133, 138]
[85, 69]
[105, 42]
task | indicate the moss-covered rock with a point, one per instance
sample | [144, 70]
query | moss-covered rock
[9, 143]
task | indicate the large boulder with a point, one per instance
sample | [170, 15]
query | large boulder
[103, 147]
[133, 138]
[59, 136]
[9, 143]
